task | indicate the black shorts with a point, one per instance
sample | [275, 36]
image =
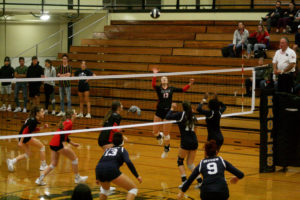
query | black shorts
[190, 146]
[161, 112]
[214, 195]
[103, 138]
[83, 87]
[25, 140]
[106, 172]
[57, 148]
[34, 90]
[217, 137]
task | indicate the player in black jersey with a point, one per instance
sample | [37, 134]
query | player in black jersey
[165, 94]
[30, 126]
[112, 118]
[189, 142]
[212, 168]
[213, 117]
[108, 170]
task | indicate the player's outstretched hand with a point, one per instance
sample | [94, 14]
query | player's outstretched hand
[192, 81]
[180, 195]
[74, 144]
[174, 106]
[234, 180]
[46, 126]
[140, 179]
[155, 70]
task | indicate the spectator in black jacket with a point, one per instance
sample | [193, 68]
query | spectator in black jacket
[6, 72]
[273, 17]
[297, 40]
[286, 22]
[35, 71]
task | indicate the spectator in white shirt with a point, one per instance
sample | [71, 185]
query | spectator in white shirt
[240, 39]
[284, 63]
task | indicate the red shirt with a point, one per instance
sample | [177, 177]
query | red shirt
[261, 38]
[57, 140]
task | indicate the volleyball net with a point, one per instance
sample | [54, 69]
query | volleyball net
[136, 94]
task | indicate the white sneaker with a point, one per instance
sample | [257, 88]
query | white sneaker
[9, 108]
[160, 140]
[80, 179]
[88, 116]
[60, 114]
[53, 112]
[10, 165]
[24, 110]
[18, 109]
[80, 115]
[40, 182]
[46, 112]
[43, 167]
[3, 107]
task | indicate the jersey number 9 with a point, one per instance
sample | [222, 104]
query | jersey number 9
[212, 168]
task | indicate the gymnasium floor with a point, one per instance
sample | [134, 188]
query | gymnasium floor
[160, 177]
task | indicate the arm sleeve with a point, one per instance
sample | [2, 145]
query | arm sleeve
[154, 82]
[184, 89]
[201, 111]
[253, 35]
[32, 126]
[292, 57]
[223, 107]
[233, 170]
[129, 163]
[234, 37]
[190, 180]
[173, 115]
[54, 72]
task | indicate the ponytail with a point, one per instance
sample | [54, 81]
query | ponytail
[114, 107]
[190, 119]
[34, 111]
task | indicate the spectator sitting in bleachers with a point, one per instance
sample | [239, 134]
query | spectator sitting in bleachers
[297, 40]
[296, 21]
[263, 77]
[286, 22]
[240, 40]
[262, 38]
[273, 16]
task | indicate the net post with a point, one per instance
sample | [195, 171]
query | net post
[253, 90]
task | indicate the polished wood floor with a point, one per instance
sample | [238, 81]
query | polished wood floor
[161, 177]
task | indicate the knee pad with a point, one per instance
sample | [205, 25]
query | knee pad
[191, 167]
[43, 148]
[180, 161]
[75, 162]
[52, 166]
[167, 137]
[133, 191]
[104, 192]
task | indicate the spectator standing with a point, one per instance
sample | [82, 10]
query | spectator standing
[6, 71]
[262, 37]
[50, 72]
[64, 70]
[84, 89]
[35, 71]
[284, 63]
[20, 72]
[240, 39]
[297, 40]
[286, 22]
[273, 16]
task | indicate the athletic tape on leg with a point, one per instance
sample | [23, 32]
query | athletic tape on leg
[75, 162]
[191, 167]
[133, 191]
[43, 149]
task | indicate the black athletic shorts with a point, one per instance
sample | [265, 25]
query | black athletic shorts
[25, 140]
[106, 172]
[34, 90]
[217, 137]
[83, 87]
[57, 148]
[103, 138]
[214, 195]
[190, 146]
[161, 112]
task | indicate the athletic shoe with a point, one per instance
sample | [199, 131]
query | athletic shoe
[3, 108]
[166, 151]
[9, 108]
[24, 110]
[18, 109]
[40, 182]
[80, 179]
[46, 112]
[80, 115]
[53, 112]
[180, 186]
[88, 116]
[10, 165]
[43, 167]
[60, 114]
[160, 138]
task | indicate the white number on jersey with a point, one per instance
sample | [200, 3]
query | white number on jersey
[187, 128]
[111, 152]
[166, 95]
[212, 168]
